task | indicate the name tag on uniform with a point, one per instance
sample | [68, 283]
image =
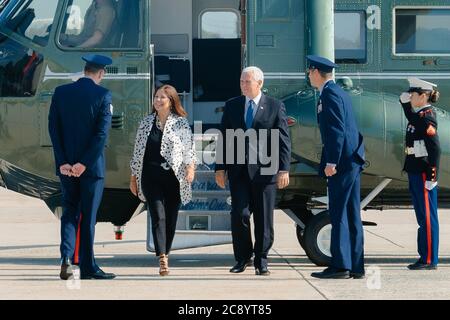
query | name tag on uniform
[419, 149]
[111, 108]
[319, 108]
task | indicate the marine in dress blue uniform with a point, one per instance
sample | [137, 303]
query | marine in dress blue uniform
[341, 163]
[422, 154]
[79, 121]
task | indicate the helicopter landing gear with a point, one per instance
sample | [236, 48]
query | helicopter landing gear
[314, 236]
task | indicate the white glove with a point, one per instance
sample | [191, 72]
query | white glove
[429, 185]
[405, 97]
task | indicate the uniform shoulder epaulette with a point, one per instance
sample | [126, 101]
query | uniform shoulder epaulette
[431, 130]
[425, 113]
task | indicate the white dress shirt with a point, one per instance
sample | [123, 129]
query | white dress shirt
[255, 106]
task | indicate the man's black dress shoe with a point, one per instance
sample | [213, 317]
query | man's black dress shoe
[358, 275]
[332, 273]
[422, 266]
[263, 271]
[66, 269]
[99, 275]
[241, 266]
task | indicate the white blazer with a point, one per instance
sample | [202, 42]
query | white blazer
[177, 148]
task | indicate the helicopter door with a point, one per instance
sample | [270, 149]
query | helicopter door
[216, 57]
[276, 43]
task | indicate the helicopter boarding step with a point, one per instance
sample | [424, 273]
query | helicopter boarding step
[206, 219]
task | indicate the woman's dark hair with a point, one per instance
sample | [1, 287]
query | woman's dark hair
[434, 96]
[175, 103]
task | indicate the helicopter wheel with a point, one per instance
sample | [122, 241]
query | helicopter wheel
[300, 236]
[317, 238]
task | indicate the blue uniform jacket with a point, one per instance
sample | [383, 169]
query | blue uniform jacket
[79, 120]
[342, 143]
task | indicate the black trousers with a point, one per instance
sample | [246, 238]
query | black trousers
[252, 197]
[161, 188]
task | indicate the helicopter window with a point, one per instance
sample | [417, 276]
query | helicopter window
[102, 24]
[350, 37]
[422, 31]
[20, 69]
[33, 20]
[219, 25]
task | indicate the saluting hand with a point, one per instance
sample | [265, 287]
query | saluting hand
[405, 97]
[78, 169]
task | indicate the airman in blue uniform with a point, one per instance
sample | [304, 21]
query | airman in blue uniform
[422, 154]
[342, 162]
[79, 121]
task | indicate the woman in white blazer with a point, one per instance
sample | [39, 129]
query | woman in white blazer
[163, 166]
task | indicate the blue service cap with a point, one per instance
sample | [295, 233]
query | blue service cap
[321, 63]
[97, 60]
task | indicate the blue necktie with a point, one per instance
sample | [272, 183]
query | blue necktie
[249, 115]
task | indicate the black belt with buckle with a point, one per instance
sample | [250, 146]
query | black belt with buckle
[163, 165]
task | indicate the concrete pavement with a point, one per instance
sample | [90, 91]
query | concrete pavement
[29, 263]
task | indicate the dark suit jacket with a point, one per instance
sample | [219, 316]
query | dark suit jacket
[271, 114]
[342, 143]
[78, 123]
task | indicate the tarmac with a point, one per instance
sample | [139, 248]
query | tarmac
[29, 263]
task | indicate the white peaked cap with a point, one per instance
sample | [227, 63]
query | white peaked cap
[417, 83]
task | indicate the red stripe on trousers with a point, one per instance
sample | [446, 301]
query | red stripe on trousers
[32, 58]
[428, 219]
[76, 257]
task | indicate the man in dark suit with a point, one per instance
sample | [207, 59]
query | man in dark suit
[253, 178]
[79, 121]
[341, 163]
